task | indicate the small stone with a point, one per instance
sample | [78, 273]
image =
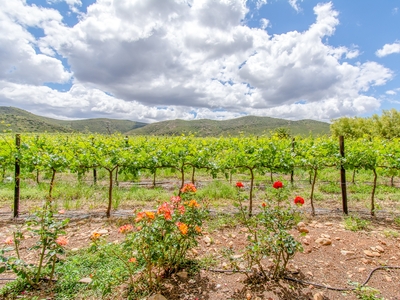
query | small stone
[319, 296]
[309, 273]
[207, 239]
[306, 242]
[337, 238]
[157, 297]
[388, 278]
[230, 244]
[319, 225]
[323, 241]
[327, 236]
[328, 224]
[380, 249]
[182, 275]
[360, 270]
[371, 253]
[75, 249]
[86, 280]
[303, 230]
[344, 252]
[218, 286]
[301, 224]
[366, 261]
[248, 296]
[102, 231]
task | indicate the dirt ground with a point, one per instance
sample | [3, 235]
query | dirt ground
[347, 257]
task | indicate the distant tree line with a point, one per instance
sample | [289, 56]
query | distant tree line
[386, 126]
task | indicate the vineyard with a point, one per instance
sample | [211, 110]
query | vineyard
[271, 157]
[199, 218]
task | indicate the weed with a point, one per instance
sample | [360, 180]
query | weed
[355, 223]
[330, 188]
[366, 292]
[391, 233]
[97, 263]
[218, 190]
[208, 261]
[221, 221]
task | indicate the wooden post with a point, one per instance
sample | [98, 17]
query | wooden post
[292, 173]
[343, 176]
[94, 176]
[17, 176]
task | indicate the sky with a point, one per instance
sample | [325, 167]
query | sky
[155, 60]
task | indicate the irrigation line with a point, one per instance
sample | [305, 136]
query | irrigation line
[322, 286]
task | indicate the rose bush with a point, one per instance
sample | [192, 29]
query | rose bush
[269, 235]
[159, 241]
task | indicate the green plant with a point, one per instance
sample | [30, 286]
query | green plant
[161, 240]
[366, 292]
[355, 223]
[220, 221]
[208, 261]
[391, 233]
[269, 232]
[48, 247]
[397, 220]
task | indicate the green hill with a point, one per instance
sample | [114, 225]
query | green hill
[244, 125]
[18, 120]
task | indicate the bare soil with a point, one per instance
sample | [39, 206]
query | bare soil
[350, 257]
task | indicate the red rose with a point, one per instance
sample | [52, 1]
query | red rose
[277, 185]
[239, 185]
[298, 200]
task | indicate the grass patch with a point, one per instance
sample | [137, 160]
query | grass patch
[391, 233]
[221, 221]
[107, 272]
[218, 192]
[355, 223]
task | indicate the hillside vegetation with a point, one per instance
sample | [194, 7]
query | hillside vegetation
[249, 125]
[18, 120]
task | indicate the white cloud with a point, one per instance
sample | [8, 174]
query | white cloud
[261, 3]
[167, 59]
[264, 23]
[388, 49]
[295, 5]
[19, 59]
[393, 92]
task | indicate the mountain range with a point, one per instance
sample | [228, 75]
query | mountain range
[19, 121]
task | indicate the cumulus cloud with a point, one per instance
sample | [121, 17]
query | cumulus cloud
[19, 59]
[154, 60]
[295, 5]
[388, 49]
[261, 3]
[393, 92]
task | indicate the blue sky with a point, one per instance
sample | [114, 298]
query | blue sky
[216, 59]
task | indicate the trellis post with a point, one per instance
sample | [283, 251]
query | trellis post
[343, 176]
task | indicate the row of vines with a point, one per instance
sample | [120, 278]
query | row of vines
[263, 155]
